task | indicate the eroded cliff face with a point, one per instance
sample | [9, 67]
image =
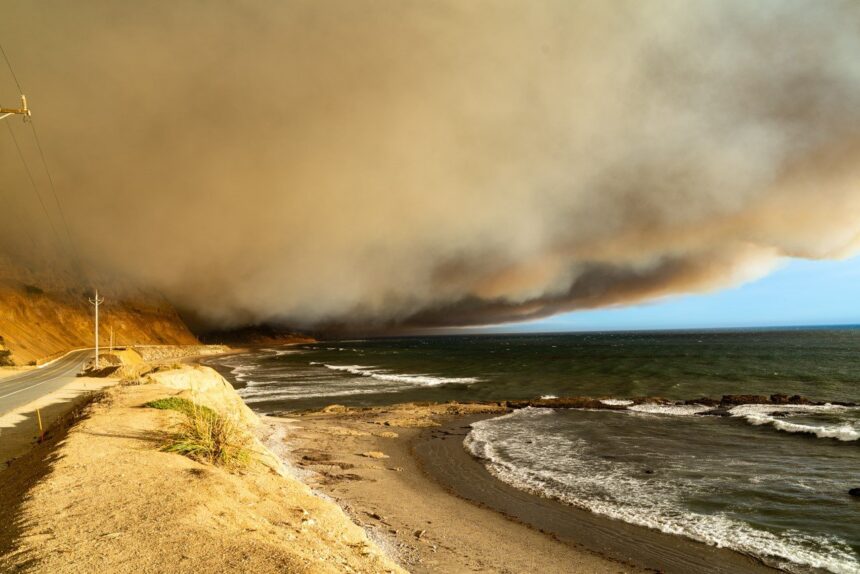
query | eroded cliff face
[46, 313]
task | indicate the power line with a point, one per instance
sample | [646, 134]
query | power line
[11, 71]
[74, 248]
[34, 186]
[71, 242]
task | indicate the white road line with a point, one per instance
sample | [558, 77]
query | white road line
[56, 372]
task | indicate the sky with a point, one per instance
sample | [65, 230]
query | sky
[387, 166]
[800, 292]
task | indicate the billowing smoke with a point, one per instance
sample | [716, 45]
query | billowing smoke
[431, 163]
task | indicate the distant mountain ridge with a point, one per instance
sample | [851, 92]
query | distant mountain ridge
[257, 335]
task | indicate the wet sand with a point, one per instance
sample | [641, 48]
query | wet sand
[437, 509]
[441, 455]
[420, 524]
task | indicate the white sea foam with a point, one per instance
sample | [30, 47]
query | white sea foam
[282, 352]
[674, 410]
[760, 415]
[384, 375]
[517, 449]
[616, 402]
[242, 372]
[308, 392]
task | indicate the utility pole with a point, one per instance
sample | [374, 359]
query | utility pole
[111, 339]
[23, 110]
[96, 301]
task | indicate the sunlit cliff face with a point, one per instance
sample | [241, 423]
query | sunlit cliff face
[435, 163]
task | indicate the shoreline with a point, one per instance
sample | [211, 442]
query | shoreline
[428, 461]
[368, 468]
[443, 458]
[435, 451]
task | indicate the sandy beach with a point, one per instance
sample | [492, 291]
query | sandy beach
[402, 474]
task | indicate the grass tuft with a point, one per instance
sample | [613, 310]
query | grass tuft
[181, 405]
[205, 435]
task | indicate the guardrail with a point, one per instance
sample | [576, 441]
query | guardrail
[42, 361]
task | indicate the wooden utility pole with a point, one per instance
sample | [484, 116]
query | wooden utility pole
[96, 302]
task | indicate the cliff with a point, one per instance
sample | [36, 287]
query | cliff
[46, 313]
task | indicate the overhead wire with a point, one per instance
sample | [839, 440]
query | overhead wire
[34, 186]
[11, 71]
[70, 240]
[72, 245]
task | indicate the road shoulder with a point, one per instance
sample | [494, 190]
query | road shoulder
[19, 428]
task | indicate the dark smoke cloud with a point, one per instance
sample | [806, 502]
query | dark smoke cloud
[385, 163]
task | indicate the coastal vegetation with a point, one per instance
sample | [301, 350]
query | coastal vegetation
[205, 435]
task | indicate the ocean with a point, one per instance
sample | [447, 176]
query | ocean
[767, 480]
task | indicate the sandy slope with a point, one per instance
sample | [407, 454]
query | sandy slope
[109, 501]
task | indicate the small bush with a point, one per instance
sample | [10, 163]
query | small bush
[33, 290]
[6, 358]
[205, 435]
[181, 405]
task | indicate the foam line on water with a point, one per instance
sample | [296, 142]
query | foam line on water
[764, 415]
[675, 410]
[411, 379]
[533, 461]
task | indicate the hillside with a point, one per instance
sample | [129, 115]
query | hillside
[42, 314]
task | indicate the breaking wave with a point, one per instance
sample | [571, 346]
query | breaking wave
[532, 449]
[676, 410]
[385, 375]
[776, 416]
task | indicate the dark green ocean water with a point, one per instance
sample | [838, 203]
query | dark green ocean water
[765, 481]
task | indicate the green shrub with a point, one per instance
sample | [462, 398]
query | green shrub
[205, 435]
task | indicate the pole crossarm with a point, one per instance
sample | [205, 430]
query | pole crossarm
[23, 110]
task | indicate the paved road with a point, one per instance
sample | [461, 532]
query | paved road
[21, 389]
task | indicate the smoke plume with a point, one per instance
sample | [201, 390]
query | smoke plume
[382, 163]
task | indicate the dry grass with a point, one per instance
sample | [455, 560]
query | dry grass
[205, 435]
